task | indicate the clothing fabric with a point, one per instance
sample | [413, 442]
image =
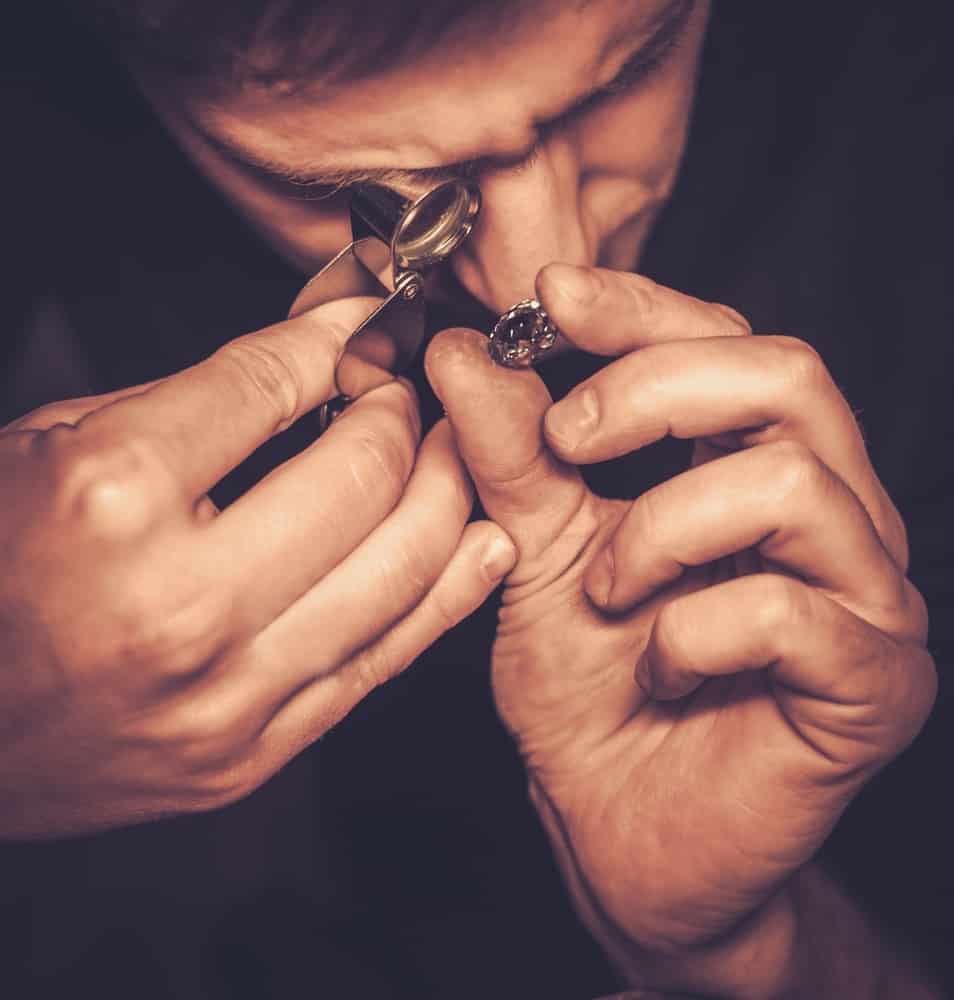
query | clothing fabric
[400, 856]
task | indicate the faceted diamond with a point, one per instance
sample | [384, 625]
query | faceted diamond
[521, 335]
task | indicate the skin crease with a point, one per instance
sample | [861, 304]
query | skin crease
[603, 780]
[683, 809]
[588, 197]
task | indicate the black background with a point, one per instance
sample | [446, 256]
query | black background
[399, 857]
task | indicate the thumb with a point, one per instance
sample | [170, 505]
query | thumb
[497, 417]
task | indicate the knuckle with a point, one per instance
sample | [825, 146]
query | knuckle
[266, 376]
[795, 471]
[137, 622]
[206, 737]
[197, 746]
[644, 295]
[803, 366]
[377, 665]
[417, 567]
[446, 610]
[784, 608]
[381, 461]
[901, 700]
[221, 787]
[48, 415]
[116, 489]
[410, 571]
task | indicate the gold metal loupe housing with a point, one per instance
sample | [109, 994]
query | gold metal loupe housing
[394, 241]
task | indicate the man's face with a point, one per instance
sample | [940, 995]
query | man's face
[573, 160]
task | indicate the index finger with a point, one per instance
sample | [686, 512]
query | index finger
[613, 312]
[205, 420]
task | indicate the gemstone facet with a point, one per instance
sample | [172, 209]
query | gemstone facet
[521, 335]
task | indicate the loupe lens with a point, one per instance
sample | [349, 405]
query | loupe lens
[436, 224]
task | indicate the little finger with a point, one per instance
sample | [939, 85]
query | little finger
[852, 692]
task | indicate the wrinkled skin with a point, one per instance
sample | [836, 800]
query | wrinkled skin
[163, 657]
[760, 597]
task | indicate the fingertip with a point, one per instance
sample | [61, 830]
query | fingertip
[499, 557]
[338, 318]
[568, 283]
[571, 423]
[453, 352]
[456, 342]
[743, 326]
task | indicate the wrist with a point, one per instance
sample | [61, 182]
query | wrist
[810, 940]
[756, 960]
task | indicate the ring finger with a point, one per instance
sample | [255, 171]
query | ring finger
[778, 499]
[377, 584]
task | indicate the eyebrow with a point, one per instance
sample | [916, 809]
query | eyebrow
[668, 27]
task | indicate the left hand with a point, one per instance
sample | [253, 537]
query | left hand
[762, 593]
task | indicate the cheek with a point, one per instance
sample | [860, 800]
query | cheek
[631, 154]
[308, 233]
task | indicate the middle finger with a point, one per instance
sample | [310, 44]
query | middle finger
[378, 583]
[306, 516]
[753, 389]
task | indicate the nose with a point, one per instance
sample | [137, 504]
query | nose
[531, 215]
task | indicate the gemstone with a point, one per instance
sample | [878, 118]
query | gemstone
[521, 335]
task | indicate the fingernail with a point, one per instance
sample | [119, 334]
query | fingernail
[733, 314]
[642, 675]
[500, 556]
[600, 577]
[578, 284]
[571, 420]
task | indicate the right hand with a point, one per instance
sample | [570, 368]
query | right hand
[158, 656]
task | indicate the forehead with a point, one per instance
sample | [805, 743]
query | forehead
[478, 97]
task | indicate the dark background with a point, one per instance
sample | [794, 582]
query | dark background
[399, 857]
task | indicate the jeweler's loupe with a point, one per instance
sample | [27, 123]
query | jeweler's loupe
[394, 241]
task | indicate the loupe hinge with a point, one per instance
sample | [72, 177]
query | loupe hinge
[402, 314]
[403, 307]
[409, 283]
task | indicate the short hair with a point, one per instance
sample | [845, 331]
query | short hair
[215, 45]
